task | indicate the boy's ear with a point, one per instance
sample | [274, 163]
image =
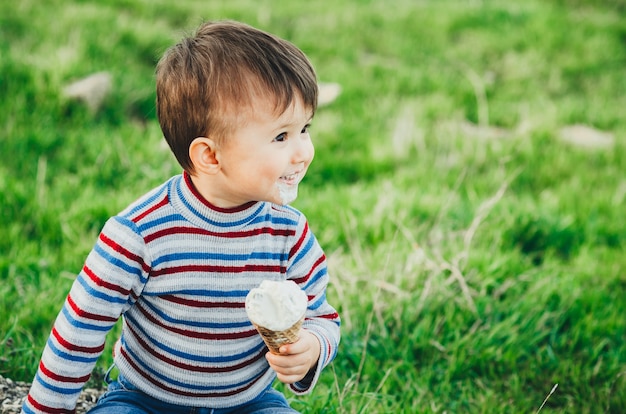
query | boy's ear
[203, 154]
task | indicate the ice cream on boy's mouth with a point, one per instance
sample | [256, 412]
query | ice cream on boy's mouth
[277, 308]
[288, 187]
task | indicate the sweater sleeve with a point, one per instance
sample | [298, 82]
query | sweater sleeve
[110, 281]
[309, 270]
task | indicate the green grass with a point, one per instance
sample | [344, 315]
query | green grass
[477, 260]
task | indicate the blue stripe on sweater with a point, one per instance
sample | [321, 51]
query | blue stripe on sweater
[60, 390]
[98, 294]
[319, 302]
[219, 256]
[119, 263]
[68, 356]
[193, 357]
[147, 225]
[159, 194]
[268, 218]
[316, 277]
[27, 410]
[283, 220]
[74, 322]
[304, 250]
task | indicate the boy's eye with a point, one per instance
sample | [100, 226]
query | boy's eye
[281, 137]
[305, 129]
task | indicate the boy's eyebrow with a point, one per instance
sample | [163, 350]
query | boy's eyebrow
[288, 124]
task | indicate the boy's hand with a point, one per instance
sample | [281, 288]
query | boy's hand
[295, 360]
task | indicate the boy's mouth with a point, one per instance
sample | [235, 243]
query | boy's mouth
[290, 179]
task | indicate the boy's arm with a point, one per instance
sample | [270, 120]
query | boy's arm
[111, 280]
[308, 269]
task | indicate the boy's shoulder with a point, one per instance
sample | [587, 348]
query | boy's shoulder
[148, 202]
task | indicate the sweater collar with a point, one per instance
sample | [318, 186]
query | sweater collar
[188, 201]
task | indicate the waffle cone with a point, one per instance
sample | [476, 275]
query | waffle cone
[275, 339]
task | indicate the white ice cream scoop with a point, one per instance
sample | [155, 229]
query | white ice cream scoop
[276, 305]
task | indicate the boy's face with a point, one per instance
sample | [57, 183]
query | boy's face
[265, 158]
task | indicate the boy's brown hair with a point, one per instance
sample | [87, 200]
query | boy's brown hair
[205, 81]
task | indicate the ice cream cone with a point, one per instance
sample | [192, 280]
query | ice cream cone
[277, 309]
[275, 339]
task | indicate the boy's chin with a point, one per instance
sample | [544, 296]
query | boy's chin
[287, 194]
[281, 202]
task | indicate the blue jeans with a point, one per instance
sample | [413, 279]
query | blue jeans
[122, 397]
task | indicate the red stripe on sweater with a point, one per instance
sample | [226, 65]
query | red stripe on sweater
[62, 378]
[46, 409]
[88, 315]
[333, 315]
[300, 241]
[229, 234]
[155, 207]
[195, 368]
[200, 304]
[195, 334]
[124, 252]
[218, 269]
[313, 270]
[76, 348]
[103, 283]
[162, 386]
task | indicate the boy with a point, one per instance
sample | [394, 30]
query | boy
[234, 104]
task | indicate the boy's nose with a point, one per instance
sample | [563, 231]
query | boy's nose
[304, 150]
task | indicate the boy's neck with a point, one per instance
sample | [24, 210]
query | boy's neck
[196, 185]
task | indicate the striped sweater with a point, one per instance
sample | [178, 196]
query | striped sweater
[177, 270]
